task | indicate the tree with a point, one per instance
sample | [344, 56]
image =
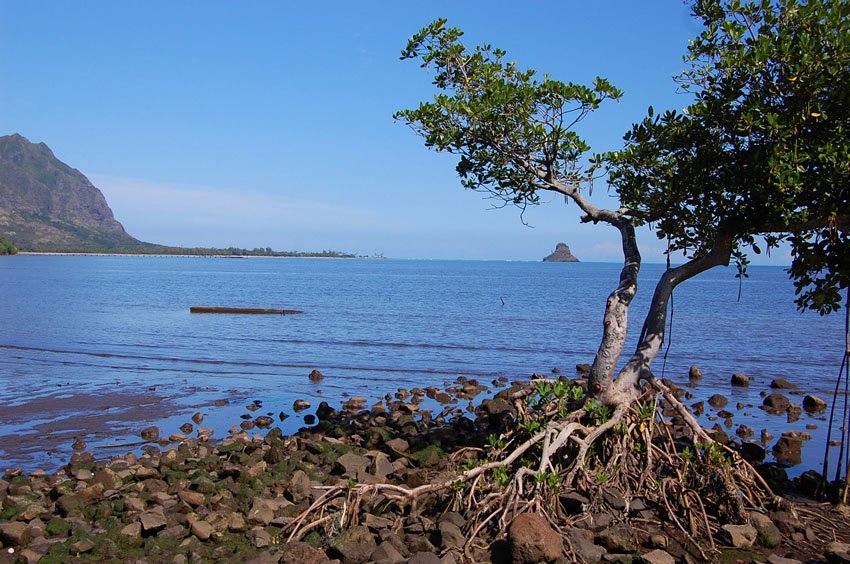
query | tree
[762, 154]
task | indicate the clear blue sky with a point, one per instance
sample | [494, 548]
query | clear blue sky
[270, 123]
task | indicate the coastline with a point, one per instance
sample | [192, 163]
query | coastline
[248, 494]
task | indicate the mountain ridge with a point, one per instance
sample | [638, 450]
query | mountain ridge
[47, 205]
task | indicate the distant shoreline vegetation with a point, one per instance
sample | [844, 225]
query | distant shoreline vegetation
[151, 249]
[7, 248]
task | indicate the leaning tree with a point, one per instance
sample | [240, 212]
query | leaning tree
[761, 158]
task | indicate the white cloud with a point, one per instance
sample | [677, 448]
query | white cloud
[199, 215]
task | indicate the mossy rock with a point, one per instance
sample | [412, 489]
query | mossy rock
[429, 456]
[57, 527]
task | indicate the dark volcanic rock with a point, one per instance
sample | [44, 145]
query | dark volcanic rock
[776, 403]
[562, 254]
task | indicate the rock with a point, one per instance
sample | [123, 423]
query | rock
[451, 537]
[153, 521]
[782, 384]
[353, 545]
[769, 535]
[264, 421]
[150, 434]
[776, 403]
[191, 498]
[186, 428]
[133, 530]
[788, 449]
[309, 419]
[794, 412]
[300, 405]
[316, 376]
[260, 513]
[656, 556]
[573, 503]
[198, 418]
[298, 552]
[82, 546]
[740, 380]
[752, 453]
[775, 476]
[583, 369]
[812, 484]
[814, 404]
[202, 529]
[386, 552]
[617, 538]
[424, 558]
[259, 538]
[718, 401]
[786, 522]
[532, 539]
[581, 541]
[562, 254]
[694, 373]
[14, 533]
[775, 559]
[351, 465]
[236, 523]
[738, 536]
[837, 552]
[398, 445]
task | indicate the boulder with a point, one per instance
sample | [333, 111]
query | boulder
[581, 542]
[769, 535]
[617, 538]
[354, 545]
[694, 373]
[814, 404]
[718, 401]
[298, 552]
[837, 552]
[150, 434]
[532, 539]
[656, 556]
[776, 403]
[316, 376]
[14, 533]
[782, 384]
[738, 536]
[740, 380]
[788, 449]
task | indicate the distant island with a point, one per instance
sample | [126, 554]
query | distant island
[562, 254]
[47, 206]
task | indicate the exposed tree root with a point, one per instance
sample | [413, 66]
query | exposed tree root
[563, 443]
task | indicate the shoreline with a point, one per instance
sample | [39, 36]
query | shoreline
[195, 496]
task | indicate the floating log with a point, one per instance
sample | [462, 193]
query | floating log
[243, 310]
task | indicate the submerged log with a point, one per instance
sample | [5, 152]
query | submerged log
[243, 310]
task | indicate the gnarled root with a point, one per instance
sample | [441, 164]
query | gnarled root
[563, 443]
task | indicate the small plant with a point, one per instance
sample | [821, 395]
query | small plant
[602, 477]
[622, 428]
[598, 412]
[495, 442]
[646, 410]
[531, 426]
[548, 479]
[500, 474]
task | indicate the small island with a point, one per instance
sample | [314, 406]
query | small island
[562, 254]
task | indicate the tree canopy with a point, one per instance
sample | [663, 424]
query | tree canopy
[763, 152]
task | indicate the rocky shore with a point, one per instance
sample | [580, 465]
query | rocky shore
[260, 496]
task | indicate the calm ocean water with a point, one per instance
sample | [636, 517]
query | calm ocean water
[77, 330]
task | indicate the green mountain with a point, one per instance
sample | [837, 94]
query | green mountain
[45, 205]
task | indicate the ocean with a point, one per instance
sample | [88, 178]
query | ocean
[98, 347]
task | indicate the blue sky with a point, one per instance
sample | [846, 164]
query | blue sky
[270, 123]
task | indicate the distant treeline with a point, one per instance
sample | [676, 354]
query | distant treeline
[107, 247]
